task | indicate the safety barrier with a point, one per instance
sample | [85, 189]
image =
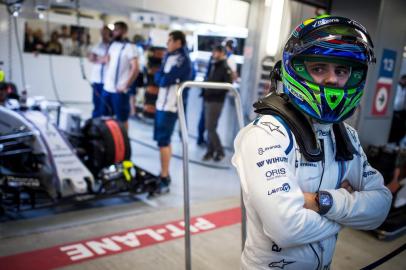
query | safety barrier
[212, 86]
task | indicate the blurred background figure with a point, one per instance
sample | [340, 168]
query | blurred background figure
[53, 46]
[28, 39]
[75, 38]
[175, 69]
[85, 44]
[139, 82]
[120, 74]
[231, 61]
[96, 56]
[398, 127]
[38, 44]
[66, 40]
[214, 101]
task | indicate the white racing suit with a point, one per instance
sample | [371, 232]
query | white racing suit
[281, 233]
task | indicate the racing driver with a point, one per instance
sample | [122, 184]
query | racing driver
[303, 172]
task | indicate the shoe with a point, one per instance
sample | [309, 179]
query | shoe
[218, 156]
[201, 142]
[164, 183]
[208, 156]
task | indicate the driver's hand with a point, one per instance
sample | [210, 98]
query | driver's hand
[310, 201]
[347, 186]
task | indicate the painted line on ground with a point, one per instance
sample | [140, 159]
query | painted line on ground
[112, 244]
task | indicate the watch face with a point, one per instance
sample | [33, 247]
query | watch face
[325, 199]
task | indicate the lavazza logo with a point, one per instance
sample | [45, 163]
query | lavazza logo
[262, 150]
[285, 187]
[270, 161]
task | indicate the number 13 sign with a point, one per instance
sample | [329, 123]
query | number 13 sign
[384, 83]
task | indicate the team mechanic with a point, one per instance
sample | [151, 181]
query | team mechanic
[303, 172]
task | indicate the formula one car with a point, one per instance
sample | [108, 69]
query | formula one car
[40, 159]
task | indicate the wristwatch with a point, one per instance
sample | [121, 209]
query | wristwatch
[325, 201]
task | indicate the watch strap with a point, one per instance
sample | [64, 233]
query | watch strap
[324, 206]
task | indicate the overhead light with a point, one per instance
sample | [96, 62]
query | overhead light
[274, 27]
[40, 10]
[15, 9]
[41, 6]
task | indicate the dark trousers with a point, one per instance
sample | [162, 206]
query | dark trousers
[116, 104]
[212, 115]
[97, 99]
[398, 127]
[201, 126]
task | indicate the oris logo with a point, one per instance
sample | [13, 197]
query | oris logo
[275, 173]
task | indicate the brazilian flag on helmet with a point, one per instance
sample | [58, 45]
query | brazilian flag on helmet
[341, 42]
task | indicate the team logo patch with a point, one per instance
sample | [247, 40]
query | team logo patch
[281, 264]
[275, 173]
[272, 127]
[262, 150]
[325, 21]
[270, 161]
[369, 173]
[275, 247]
[322, 133]
[285, 187]
[308, 164]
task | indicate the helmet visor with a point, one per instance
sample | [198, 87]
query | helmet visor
[333, 72]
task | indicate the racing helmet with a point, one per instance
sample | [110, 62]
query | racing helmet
[328, 39]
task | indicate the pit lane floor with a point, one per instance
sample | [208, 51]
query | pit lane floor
[216, 249]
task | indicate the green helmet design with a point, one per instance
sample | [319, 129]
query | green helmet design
[339, 41]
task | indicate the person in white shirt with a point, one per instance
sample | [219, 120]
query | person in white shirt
[138, 41]
[66, 41]
[231, 61]
[96, 56]
[121, 72]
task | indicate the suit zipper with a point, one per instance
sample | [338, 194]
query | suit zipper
[322, 163]
[322, 254]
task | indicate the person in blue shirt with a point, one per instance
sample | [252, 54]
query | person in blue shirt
[175, 69]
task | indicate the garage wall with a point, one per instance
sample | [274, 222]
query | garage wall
[38, 76]
[386, 23]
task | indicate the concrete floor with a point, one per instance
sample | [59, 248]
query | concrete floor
[212, 189]
[217, 249]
